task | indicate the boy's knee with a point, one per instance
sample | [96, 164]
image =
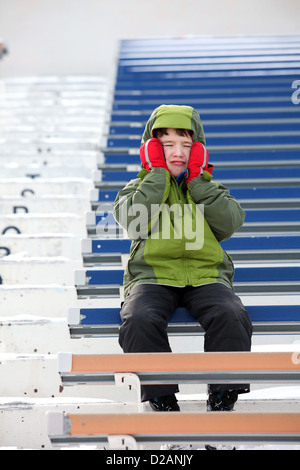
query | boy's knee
[138, 316]
[134, 318]
[235, 314]
[143, 330]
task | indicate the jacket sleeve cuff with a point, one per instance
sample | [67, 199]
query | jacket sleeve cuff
[200, 183]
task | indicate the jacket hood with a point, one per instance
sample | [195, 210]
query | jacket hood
[175, 117]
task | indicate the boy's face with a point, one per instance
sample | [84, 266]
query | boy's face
[177, 151]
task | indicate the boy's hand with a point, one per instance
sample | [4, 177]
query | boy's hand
[152, 154]
[198, 161]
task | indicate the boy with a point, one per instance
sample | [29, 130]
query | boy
[176, 216]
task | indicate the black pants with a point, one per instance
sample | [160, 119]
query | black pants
[148, 308]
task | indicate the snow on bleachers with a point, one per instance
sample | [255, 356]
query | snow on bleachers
[49, 134]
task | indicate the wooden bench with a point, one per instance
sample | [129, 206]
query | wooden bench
[132, 370]
[168, 368]
[128, 431]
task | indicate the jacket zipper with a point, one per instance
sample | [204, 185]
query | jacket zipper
[184, 258]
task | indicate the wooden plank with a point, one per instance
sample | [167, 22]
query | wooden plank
[185, 423]
[159, 362]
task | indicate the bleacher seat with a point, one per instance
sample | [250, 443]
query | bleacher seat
[130, 432]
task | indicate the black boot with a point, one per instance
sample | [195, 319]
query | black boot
[166, 403]
[222, 401]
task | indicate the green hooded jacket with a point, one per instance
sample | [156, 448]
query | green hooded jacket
[176, 229]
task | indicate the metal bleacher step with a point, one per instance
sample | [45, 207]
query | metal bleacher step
[45, 171]
[60, 160]
[136, 127]
[58, 185]
[37, 334]
[250, 198]
[275, 314]
[126, 162]
[227, 140]
[42, 245]
[261, 248]
[231, 183]
[49, 203]
[49, 144]
[28, 415]
[46, 300]
[32, 270]
[33, 372]
[237, 177]
[43, 223]
[257, 221]
[249, 278]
